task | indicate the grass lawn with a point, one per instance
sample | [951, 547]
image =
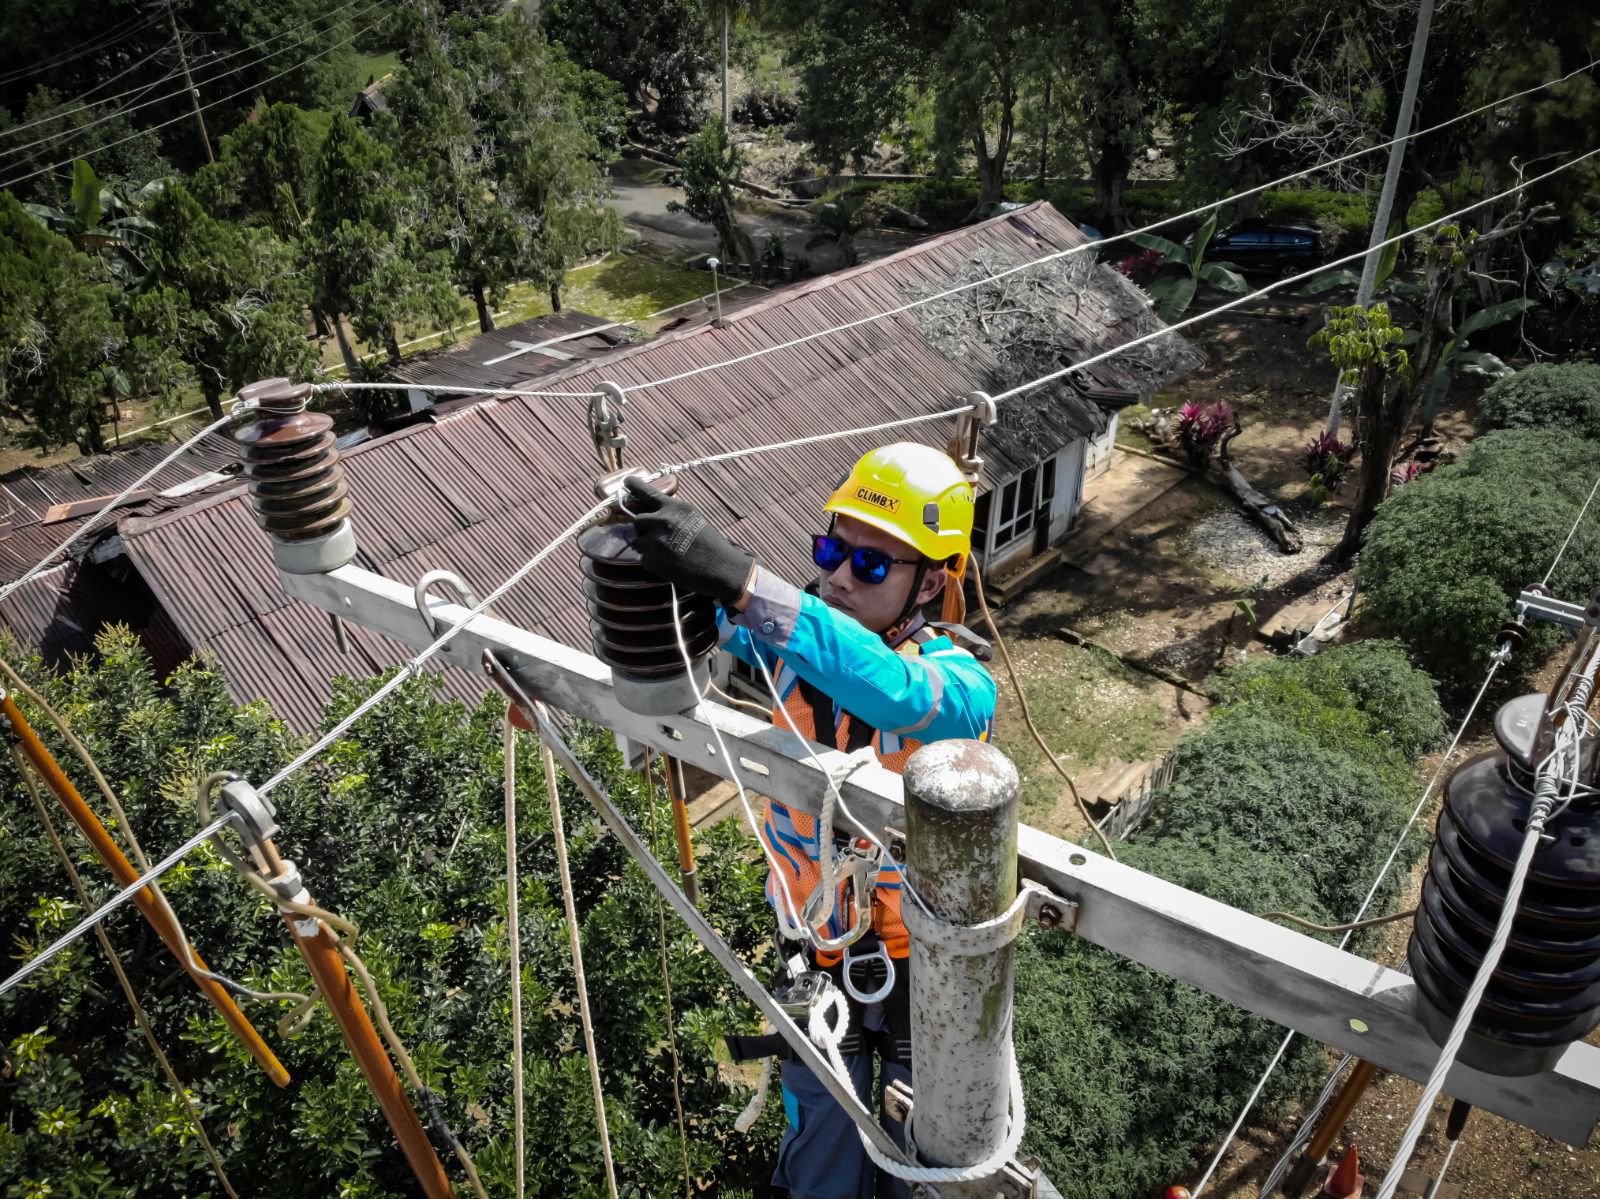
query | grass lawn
[1091, 708]
[375, 66]
[622, 287]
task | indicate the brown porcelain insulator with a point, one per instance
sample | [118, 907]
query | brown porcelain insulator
[630, 610]
[296, 481]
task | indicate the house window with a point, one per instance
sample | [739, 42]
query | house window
[1019, 503]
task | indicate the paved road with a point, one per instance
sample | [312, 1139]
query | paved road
[643, 207]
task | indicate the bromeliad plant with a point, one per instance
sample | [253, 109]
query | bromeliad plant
[1327, 460]
[1201, 428]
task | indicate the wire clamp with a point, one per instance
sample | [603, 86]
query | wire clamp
[607, 408]
[975, 940]
[969, 429]
[254, 815]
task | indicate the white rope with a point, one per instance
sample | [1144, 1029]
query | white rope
[514, 926]
[413, 667]
[1372, 891]
[575, 944]
[1096, 245]
[95, 520]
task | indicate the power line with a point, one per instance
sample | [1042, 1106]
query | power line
[99, 42]
[185, 116]
[189, 88]
[1095, 245]
[94, 520]
[37, 962]
[212, 61]
[414, 665]
[82, 99]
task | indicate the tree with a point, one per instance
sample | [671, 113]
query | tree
[712, 163]
[1365, 346]
[659, 52]
[265, 170]
[223, 305]
[1563, 398]
[400, 827]
[365, 245]
[861, 69]
[839, 219]
[102, 221]
[59, 326]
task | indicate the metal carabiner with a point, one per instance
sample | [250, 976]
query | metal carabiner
[969, 428]
[878, 954]
[462, 588]
[861, 873]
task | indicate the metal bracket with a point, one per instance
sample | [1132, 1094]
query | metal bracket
[1539, 604]
[1049, 910]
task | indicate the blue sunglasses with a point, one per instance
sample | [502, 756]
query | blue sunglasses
[866, 564]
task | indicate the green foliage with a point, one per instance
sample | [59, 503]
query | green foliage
[1446, 554]
[839, 219]
[1364, 343]
[58, 329]
[1565, 398]
[401, 828]
[659, 53]
[1366, 691]
[1174, 293]
[222, 304]
[1287, 800]
[712, 162]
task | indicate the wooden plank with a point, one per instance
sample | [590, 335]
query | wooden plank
[1323, 992]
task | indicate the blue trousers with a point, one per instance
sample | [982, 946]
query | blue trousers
[821, 1155]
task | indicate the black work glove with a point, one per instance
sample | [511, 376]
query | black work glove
[676, 543]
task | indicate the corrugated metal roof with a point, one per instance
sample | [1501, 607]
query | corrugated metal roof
[35, 499]
[484, 488]
[503, 358]
[60, 610]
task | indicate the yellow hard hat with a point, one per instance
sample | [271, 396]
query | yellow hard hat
[914, 493]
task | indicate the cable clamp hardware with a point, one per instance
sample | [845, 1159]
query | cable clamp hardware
[973, 940]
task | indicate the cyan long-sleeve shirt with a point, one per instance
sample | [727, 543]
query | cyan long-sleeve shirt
[941, 693]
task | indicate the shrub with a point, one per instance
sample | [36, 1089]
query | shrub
[1446, 555]
[1343, 696]
[1566, 398]
[1129, 1071]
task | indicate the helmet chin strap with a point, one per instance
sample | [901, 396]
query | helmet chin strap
[908, 614]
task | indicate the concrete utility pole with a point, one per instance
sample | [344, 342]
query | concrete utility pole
[961, 856]
[1391, 180]
[194, 95]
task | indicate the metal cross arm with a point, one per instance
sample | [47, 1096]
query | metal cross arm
[1292, 979]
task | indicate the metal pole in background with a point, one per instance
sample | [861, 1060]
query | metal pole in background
[1391, 180]
[961, 856]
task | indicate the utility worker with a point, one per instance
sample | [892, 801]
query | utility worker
[855, 665]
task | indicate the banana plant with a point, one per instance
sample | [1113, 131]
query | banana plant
[1174, 293]
[1458, 358]
[102, 220]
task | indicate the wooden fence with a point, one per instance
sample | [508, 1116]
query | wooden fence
[1130, 808]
